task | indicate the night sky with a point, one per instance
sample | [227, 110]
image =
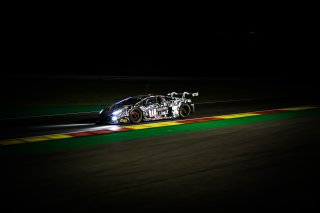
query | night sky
[211, 54]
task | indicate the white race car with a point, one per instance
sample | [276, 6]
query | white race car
[149, 108]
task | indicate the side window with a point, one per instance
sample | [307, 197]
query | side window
[151, 101]
[148, 102]
[161, 100]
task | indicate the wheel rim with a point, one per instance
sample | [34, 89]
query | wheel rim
[135, 115]
[184, 111]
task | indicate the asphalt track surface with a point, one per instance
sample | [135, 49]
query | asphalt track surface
[43, 125]
[266, 166]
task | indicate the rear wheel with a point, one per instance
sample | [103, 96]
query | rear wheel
[184, 111]
[135, 115]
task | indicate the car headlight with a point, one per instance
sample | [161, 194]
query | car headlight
[117, 112]
[101, 111]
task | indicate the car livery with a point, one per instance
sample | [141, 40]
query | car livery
[140, 108]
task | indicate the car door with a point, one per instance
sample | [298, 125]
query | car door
[152, 107]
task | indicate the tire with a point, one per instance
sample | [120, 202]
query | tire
[135, 115]
[184, 111]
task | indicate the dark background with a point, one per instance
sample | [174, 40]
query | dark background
[280, 53]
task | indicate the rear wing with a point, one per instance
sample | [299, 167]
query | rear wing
[183, 94]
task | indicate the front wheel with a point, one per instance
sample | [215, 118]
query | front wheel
[135, 115]
[184, 110]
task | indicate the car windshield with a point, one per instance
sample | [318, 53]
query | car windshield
[127, 101]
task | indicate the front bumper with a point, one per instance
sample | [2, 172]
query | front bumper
[112, 119]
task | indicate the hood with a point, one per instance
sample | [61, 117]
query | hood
[118, 109]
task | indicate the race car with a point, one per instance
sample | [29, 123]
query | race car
[140, 108]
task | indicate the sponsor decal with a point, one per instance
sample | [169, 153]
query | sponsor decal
[124, 120]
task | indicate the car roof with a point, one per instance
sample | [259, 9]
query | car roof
[147, 96]
[140, 96]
